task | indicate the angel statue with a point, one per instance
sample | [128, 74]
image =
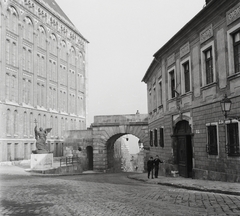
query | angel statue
[41, 137]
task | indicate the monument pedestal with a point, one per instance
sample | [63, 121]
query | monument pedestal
[41, 161]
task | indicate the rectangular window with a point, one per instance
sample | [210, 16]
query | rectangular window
[236, 48]
[155, 137]
[209, 66]
[160, 93]
[172, 83]
[151, 138]
[186, 76]
[212, 145]
[232, 146]
[16, 151]
[161, 139]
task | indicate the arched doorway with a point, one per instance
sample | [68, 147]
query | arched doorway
[90, 157]
[184, 152]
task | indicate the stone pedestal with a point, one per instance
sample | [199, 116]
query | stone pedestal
[41, 161]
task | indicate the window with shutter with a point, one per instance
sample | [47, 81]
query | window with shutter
[232, 146]
[212, 147]
[161, 139]
[151, 138]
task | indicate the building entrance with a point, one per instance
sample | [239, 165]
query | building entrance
[90, 157]
[184, 155]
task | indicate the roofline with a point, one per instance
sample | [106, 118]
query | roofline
[179, 32]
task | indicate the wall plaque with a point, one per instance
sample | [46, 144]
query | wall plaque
[185, 49]
[233, 14]
[171, 59]
[206, 34]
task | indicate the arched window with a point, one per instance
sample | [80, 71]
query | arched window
[63, 51]
[42, 37]
[53, 44]
[72, 56]
[12, 20]
[28, 29]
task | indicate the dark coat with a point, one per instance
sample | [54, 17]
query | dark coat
[157, 162]
[150, 164]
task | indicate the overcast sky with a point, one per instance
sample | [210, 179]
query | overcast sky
[123, 36]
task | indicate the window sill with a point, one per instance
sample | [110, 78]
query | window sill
[233, 76]
[213, 84]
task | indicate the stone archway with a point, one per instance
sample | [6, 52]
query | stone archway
[103, 133]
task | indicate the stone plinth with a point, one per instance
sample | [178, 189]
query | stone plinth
[41, 161]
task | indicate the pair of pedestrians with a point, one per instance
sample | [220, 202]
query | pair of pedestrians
[153, 164]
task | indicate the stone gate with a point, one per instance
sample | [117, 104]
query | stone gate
[101, 136]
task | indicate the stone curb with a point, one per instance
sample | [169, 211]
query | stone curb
[189, 187]
[40, 173]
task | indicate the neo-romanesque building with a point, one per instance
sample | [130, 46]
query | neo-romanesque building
[186, 81]
[43, 76]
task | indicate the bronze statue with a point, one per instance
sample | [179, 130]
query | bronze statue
[41, 137]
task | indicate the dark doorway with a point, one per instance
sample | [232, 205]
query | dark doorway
[183, 136]
[90, 157]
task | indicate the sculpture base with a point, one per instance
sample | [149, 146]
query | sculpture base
[41, 161]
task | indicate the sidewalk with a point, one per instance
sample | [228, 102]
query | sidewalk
[191, 184]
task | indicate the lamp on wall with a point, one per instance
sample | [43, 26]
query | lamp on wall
[226, 105]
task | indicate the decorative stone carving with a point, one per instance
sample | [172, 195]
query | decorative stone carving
[206, 34]
[233, 14]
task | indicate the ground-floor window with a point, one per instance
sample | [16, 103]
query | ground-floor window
[232, 146]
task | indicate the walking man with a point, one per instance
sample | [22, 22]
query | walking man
[156, 162]
[150, 166]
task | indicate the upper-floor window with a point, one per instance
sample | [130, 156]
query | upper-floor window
[208, 64]
[53, 44]
[236, 48]
[28, 29]
[160, 102]
[155, 137]
[171, 83]
[42, 37]
[186, 84]
[12, 20]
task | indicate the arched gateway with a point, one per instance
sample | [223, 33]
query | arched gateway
[102, 135]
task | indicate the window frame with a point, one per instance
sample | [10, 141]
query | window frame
[227, 138]
[160, 92]
[183, 78]
[155, 133]
[204, 49]
[161, 136]
[215, 124]
[170, 87]
[231, 62]
[151, 138]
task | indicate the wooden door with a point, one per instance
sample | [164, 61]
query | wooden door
[182, 156]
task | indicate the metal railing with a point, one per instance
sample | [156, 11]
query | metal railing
[69, 161]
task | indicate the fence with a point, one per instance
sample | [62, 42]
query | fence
[69, 161]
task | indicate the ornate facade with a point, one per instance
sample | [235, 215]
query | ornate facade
[43, 76]
[186, 82]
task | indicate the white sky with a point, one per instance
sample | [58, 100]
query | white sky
[123, 36]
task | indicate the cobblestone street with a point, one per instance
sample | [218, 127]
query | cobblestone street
[104, 194]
